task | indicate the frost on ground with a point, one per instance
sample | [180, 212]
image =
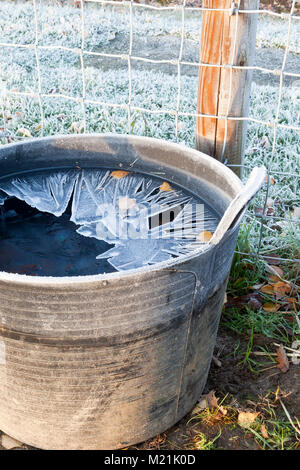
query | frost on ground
[156, 34]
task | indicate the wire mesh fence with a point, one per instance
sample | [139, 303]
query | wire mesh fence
[273, 137]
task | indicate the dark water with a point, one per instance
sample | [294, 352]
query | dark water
[41, 244]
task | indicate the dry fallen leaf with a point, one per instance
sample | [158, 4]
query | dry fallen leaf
[282, 287]
[276, 273]
[282, 360]
[165, 186]
[264, 431]
[276, 277]
[204, 236]
[291, 300]
[271, 307]
[212, 402]
[118, 174]
[18, 114]
[125, 203]
[274, 260]
[24, 132]
[268, 289]
[246, 418]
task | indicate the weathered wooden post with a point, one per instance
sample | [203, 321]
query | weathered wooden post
[227, 38]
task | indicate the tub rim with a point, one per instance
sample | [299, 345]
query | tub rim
[131, 273]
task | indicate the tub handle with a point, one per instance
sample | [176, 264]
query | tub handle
[240, 202]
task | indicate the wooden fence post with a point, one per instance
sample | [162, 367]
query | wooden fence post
[226, 39]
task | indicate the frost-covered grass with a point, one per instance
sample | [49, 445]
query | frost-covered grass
[61, 25]
[107, 81]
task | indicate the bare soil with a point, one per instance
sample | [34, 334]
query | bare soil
[246, 390]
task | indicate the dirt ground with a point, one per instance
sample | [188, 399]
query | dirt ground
[244, 390]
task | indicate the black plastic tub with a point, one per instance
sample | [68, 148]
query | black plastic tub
[105, 361]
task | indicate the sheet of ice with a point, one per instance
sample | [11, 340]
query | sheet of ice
[193, 219]
[131, 254]
[47, 192]
[132, 212]
[161, 243]
[97, 198]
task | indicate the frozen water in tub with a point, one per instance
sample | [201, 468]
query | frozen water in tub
[120, 220]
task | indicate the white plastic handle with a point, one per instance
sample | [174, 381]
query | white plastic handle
[239, 203]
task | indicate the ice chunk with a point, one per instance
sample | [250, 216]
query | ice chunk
[49, 192]
[146, 219]
[193, 219]
[88, 201]
[157, 244]
[132, 254]
[98, 196]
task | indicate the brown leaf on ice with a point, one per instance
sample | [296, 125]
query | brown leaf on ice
[204, 236]
[246, 418]
[118, 174]
[282, 360]
[165, 186]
